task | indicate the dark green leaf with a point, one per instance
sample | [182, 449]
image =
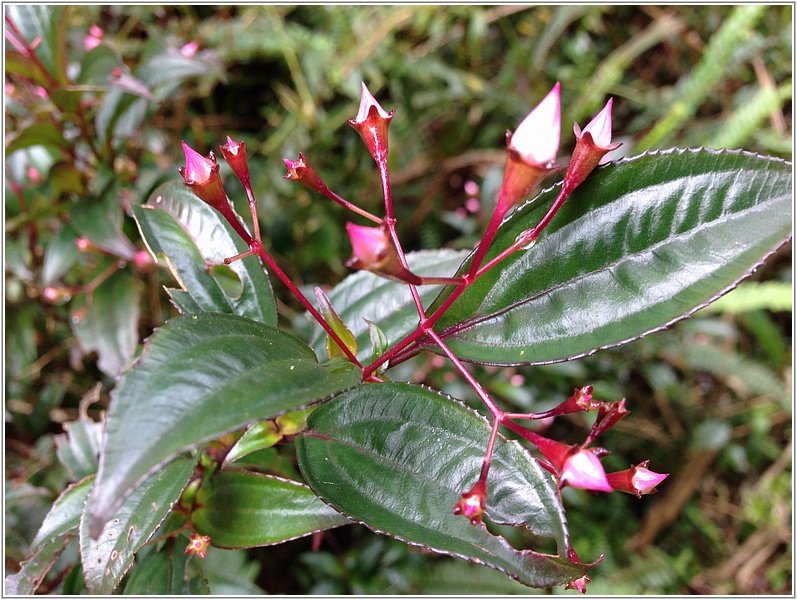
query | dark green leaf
[397, 457]
[109, 326]
[192, 235]
[59, 256]
[108, 557]
[202, 376]
[97, 64]
[101, 221]
[166, 573]
[39, 134]
[243, 510]
[66, 178]
[387, 303]
[640, 245]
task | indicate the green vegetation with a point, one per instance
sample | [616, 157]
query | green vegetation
[710, 397]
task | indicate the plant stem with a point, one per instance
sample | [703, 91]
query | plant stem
[256, 247]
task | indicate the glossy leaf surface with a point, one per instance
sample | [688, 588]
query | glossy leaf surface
[108, 557]
[386, 303]
[202, 376]
[397, 457]
[191, 235]
[242, 510]
[64, 515]
[640, 245]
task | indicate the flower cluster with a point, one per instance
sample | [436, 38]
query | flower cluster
[531, 154]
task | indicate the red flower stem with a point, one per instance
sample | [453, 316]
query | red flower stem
[483, 396]
[253, 209]
[256, 247]
[15, 37]
[442, 281]
[352, 207]
[498, 414]
[533, 233]
[390, 221]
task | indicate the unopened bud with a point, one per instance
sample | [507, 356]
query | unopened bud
[371, 123]
[473, 503]
[373, 250]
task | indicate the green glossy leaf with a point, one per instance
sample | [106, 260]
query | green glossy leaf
[260, 435]
[191, 235]
[107, 558]
[101, 221]
[243, 510]
[108, 324]
[166, 573]
[79, 447]
[389, 304]
[199, 377]
[397, 457]
[64, 516]
[640, 245]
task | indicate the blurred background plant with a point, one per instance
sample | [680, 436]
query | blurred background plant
[97, 99]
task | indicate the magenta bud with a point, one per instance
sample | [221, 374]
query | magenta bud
[637, 480]
[580, 584]
[299, 170]
[371, 123]
[473, 503]
[592, 144]
[235, 155]
[202, 176]
[373, 250]
[583, 469]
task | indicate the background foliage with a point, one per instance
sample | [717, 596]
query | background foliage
[710, 398]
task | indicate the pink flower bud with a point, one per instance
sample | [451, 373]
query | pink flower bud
[373, 250]
[592, 144]
[637, 480]
[608, 415]
[579, 584]
[198, 544]
[531, 151]
[202, 176]
[189, 49]
[371, 123]
[299, 170]
[473, 503]
[583, 469]
[235, 155]
[94, 38]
